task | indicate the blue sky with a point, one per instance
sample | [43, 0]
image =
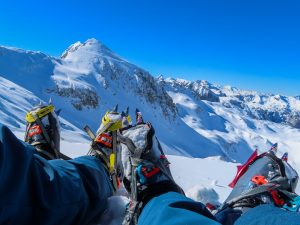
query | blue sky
[248, 44]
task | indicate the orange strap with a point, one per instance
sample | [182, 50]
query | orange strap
[259, 180]
[36, 129]
[105, 139]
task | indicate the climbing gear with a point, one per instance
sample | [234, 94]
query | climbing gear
[138, 117]
[263, 179]
[42, 131]
[104, 145]
[40, 112]
[146, 168]
[105, 140]
[293, 205]
[112, 121]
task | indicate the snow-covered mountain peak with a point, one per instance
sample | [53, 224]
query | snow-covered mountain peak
[191, 118]
[91, 48]
[71, 48]
[90, 79]
[229, 90]
[202, 89]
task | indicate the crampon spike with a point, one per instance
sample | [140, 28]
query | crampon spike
[285, 157]
[138, 117]
[126, 111]
[115, 109]
[274, 147]
[40, 104]
[57, 112]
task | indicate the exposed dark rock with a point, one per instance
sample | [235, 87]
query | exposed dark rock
[154, 92]
[80, 97]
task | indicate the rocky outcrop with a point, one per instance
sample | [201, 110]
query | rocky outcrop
[154, 93]
[79, 98]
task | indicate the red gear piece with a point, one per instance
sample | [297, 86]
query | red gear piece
[36, 129]
[259, 180]
[151, 173]
[105, 139]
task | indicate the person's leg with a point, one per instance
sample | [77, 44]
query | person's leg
[36, 191]
[175, 209]
[268, 214]
[155, 198]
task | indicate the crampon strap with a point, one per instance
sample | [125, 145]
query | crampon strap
[36, 129]
[145, 173]
[105, 140]
[261, 180]
[31, 116]
[293, 205]
[276, 198]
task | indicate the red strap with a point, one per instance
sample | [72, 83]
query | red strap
[36, 129]
[147, 174]
[118, 182]
[277, 200]
[261, 180]
[105, 139]
[210, 206]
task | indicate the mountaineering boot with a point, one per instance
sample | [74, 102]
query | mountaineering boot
[146, 168]
[104, 145]
[263, 179]
[42, 131]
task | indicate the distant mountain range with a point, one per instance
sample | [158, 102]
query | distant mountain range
[275, 108]
[197, 119]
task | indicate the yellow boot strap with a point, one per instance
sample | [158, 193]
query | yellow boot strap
[40, 113]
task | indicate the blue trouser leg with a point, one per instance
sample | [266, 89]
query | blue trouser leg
[36, 191]
[269, 214]
[175, 209]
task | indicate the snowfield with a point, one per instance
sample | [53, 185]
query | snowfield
[205, 129]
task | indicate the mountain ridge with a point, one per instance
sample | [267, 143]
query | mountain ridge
[273, 107]
[206, 129]
[195, 119]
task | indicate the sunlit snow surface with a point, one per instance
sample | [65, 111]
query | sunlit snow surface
[200, 178]
[205, 141]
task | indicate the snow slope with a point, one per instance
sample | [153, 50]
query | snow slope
[194, 119]
[15, 101]
[89, 79]
[206, 129]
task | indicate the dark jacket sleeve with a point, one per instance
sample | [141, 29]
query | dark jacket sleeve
[36, 191]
